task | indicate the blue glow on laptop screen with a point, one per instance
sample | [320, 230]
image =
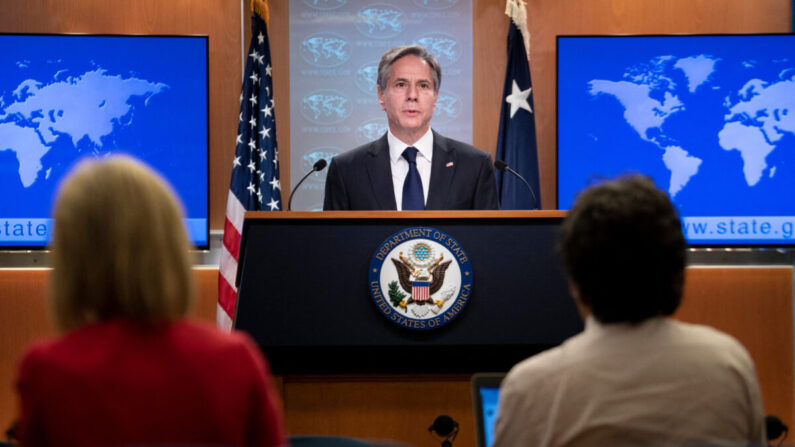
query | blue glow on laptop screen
[489, 398]
[67, 97]
[710, 118]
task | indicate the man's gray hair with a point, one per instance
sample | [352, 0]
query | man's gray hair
[395, 53]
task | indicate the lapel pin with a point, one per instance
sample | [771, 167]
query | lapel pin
[449, 163]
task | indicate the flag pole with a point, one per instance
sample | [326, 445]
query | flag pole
[255, 184]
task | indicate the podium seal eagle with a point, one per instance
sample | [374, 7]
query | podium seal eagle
[420, 278]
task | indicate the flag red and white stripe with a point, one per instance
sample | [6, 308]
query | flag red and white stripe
[420, 291]
[255, 169]
[227, 291]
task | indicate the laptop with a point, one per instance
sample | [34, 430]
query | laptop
[485, 398]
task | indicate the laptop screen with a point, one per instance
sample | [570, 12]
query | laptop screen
[486, 393]
[488, 408]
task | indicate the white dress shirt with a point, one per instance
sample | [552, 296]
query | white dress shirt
[400, 167]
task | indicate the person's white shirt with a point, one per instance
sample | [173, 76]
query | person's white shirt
[660, 382]
[400, 167]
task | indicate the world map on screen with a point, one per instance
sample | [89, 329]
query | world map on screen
[755, 117]
[65, 98]
[84, 108]
[709, 118]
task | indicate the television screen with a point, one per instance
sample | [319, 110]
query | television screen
[709, 117]
[67, 97]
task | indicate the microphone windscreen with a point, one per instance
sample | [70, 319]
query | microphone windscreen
[774, 427]
[501, 165]
[443, 425]
[319, 165]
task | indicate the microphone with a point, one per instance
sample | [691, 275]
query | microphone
[774, 427]
[502, 166]
[446, 428]
[317, 167]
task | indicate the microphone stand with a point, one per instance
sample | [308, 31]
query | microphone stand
[317, 167]
[502, 166]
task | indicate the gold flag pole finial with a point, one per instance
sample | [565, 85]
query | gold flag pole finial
[261, 8]
[517, 11]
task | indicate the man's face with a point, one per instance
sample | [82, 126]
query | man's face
[409, 99]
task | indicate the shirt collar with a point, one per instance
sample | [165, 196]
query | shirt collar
[424, 145]
[594, 326]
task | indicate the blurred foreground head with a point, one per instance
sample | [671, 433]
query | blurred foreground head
[623, 247]
[120, 247]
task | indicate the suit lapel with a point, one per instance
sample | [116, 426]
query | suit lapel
[380, 172]
[443, 168]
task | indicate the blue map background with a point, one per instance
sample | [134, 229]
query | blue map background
[595, 140]
[160, 88]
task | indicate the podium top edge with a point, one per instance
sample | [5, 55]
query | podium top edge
[441, 214]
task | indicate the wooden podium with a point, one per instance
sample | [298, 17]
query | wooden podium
[304, 296]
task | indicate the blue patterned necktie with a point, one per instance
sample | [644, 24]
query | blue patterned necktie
[413, 198]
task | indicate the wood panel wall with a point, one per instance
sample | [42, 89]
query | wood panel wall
[23, 318]
[754, 304]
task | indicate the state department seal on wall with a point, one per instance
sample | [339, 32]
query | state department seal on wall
[420, 278]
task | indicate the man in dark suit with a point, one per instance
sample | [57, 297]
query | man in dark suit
[411, 167]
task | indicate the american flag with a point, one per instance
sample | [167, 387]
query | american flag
[255, 169]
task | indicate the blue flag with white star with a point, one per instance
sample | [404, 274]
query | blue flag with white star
[255, 169]
[516, 142]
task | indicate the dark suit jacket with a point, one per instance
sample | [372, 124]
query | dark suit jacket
[462, 178]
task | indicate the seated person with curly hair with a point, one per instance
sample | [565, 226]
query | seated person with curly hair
[633, 377]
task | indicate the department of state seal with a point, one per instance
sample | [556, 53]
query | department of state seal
[420, 278]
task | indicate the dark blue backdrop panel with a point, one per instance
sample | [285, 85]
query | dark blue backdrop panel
[304, 296]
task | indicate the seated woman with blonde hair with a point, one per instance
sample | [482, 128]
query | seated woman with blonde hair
[129, 368]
